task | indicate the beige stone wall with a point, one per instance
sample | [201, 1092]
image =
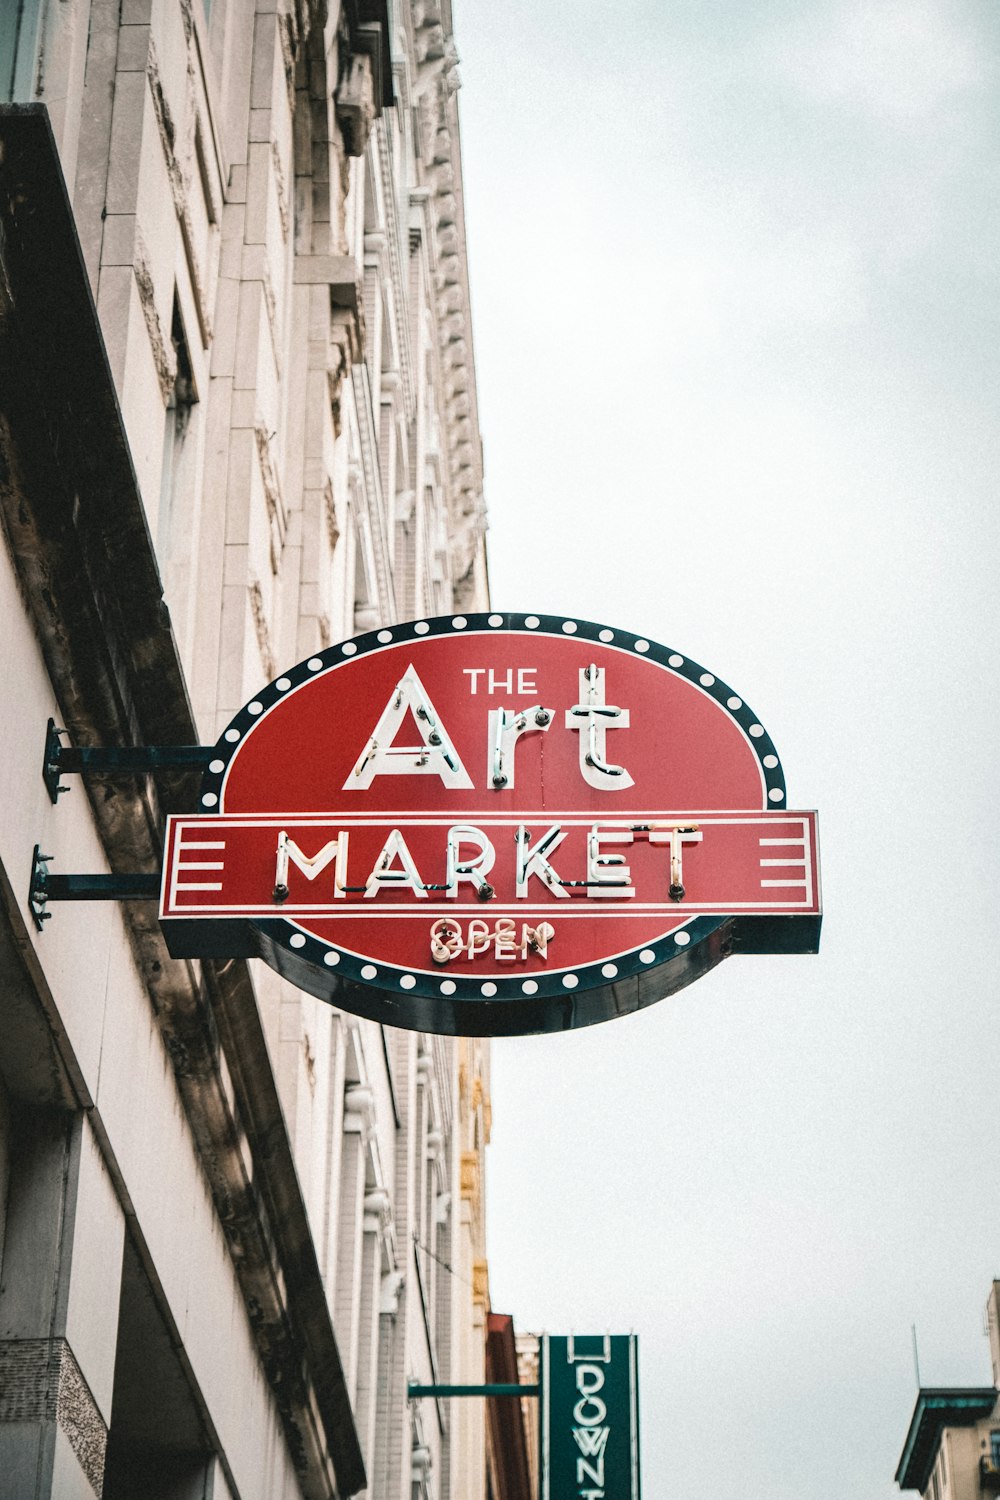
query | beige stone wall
[329, 468]
[132, 1155]
[527, 1373]
[277, 259]
[955, 1475]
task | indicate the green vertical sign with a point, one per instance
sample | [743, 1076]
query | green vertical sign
[589, 1428]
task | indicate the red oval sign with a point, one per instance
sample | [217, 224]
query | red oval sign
[495, 824]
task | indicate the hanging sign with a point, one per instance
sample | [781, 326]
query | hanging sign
[491, 825]
[589, 1427]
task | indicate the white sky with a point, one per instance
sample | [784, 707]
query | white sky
[736, 284]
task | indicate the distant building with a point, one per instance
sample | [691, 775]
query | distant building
[952, 1450]
[238, 422]
[509, 1473]
[527, 1368]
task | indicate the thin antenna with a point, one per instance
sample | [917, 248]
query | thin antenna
[916, 1356]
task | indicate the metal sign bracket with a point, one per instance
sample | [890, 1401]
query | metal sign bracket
[45, 887]
[61, 760]
[415, 1391]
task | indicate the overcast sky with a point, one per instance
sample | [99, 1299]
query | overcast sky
[736, 286]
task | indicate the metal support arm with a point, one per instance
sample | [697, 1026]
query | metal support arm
[415, 1391]
[62, 759]
[45, 888]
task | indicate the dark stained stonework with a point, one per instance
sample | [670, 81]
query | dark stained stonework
[40, 1381]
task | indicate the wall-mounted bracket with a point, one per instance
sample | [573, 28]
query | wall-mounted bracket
[60, 759]
[414, 1391]
[45, 887]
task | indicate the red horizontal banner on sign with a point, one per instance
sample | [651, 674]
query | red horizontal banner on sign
[227, 865]
[392, 884]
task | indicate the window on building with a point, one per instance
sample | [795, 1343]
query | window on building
[20, 38]
[995, 1449]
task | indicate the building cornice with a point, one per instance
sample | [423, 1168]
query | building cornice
[935, 1410]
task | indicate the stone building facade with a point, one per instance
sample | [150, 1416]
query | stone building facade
[510, 1471]
[237, 423]
[952, 1448]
